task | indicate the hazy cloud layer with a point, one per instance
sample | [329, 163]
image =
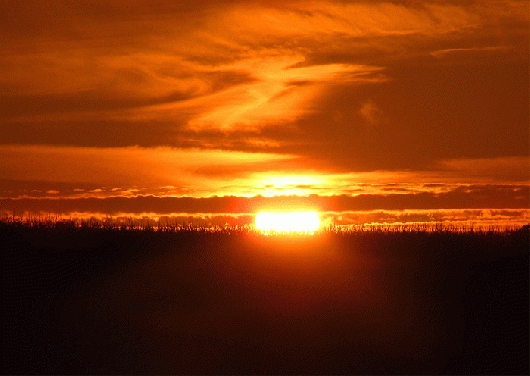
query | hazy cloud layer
[464, 197]
[31, 171]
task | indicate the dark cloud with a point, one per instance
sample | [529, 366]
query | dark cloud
[433, 113]
[86, 101]
[465, 197]
[37, 188]
[94, 133]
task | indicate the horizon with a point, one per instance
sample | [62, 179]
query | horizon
[247, 223]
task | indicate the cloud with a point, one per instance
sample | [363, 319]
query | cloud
[441, 53]
[172, 54]
[256, 76]
[506, 168]
[464, 197]
[449, 218]
[275, 97]
[132, 166]
[87, 172]
[371, 113]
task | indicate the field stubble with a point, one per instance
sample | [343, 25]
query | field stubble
[101, 301]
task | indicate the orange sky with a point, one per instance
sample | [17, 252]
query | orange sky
[364, 105]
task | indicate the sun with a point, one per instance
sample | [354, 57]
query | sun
[307, 222]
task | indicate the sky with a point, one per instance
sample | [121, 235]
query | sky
[368, 111]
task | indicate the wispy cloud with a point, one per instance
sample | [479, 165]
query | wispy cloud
[233, 65]
[371, 112]
[199, 173]
[440, 53]
[132, 166]
[283, 93]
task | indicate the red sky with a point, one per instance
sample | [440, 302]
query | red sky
[371, 111]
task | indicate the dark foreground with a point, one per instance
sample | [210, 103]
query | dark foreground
[91, 301]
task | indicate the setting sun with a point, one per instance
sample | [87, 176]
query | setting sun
[288, 222]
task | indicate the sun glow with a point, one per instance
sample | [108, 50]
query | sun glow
[288, 222]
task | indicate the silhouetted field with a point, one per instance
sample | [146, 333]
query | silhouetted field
[89, 301]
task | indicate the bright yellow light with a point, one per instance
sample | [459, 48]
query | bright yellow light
[288, 222]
